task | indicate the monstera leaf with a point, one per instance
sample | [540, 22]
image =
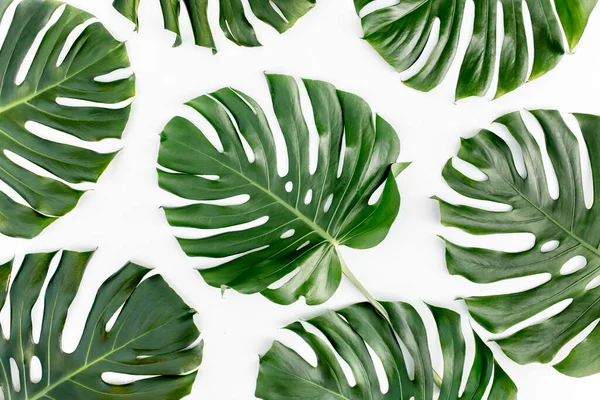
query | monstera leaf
[280, 14]
[308, 215]
[152, 337]
[401, 31]
[358, 335]
[566, 238]
[40, 75]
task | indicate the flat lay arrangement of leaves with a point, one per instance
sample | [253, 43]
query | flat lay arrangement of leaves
[357, 332]
[401, 31]
[564, 230]
[280, 14]
[278, 215]
[310, 215]
[153, 335]
[34, 95]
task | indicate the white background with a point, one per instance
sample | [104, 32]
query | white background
[123, 219]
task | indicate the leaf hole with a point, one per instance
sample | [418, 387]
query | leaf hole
[351, 379]
[14, 374]
[35, 370]
[384, 384]
[284, 279]
[575, 264]
[113, 319]
[529, 36]
[114, 76]
[517, 152]
[288, 234]
[245, 145]
[328, 203]
[35, 46]
[308, 197]
[594, 283]
[204, 127]
[197, 233]
[549, 246]
[342, 155]
[533, 125]
[289, 186]
[73, 36]
[468, 170]
[78, 103]
[313, 134]
[36, 169]
[303, 245]
[119, 379]
[587, 178]
[44, 132]
[7, 18]
[422, 61]
[294, 341]
[278, 11]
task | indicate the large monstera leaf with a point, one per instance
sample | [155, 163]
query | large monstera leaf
[56, 75]
[358, 331]
[280, 14]
[400, 32]
[309, 215]
[565, 231]
[153, 336]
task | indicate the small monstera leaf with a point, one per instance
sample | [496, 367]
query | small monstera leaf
[153, 334]
[565, 230]
[280, 14]
[309, 215]
[357, 334]
[400, 32]
[40, 75]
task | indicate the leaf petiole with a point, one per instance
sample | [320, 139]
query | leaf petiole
[346, 271]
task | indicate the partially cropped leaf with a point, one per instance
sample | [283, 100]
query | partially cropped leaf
[36, 85]
[152, 339]
[280, 14]
[565, 231]
[359, 335]
[309, 215]
[400, 33]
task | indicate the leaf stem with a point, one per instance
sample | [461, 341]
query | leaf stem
[346, 271]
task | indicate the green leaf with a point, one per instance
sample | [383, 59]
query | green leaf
[355, 333]
[153, 334]
[280, 14]
[36, 99]
[300, 236]
[566, 220]
[400, 32]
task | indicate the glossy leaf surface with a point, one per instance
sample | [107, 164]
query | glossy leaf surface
[363, 339]
[40, 75]
[565, 222]
[280, 14]
[401, 32]
[152, 337]
[299, 221]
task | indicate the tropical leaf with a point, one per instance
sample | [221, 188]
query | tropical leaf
[38, 88]
[565, 234]
[359, 335]
[309, 215]
[280, 14]
[400, 32]
[153, 334]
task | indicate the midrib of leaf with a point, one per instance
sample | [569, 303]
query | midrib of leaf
[316, 228]
[68, 377]
[58, 83]
[555, 222]
[341, 396]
